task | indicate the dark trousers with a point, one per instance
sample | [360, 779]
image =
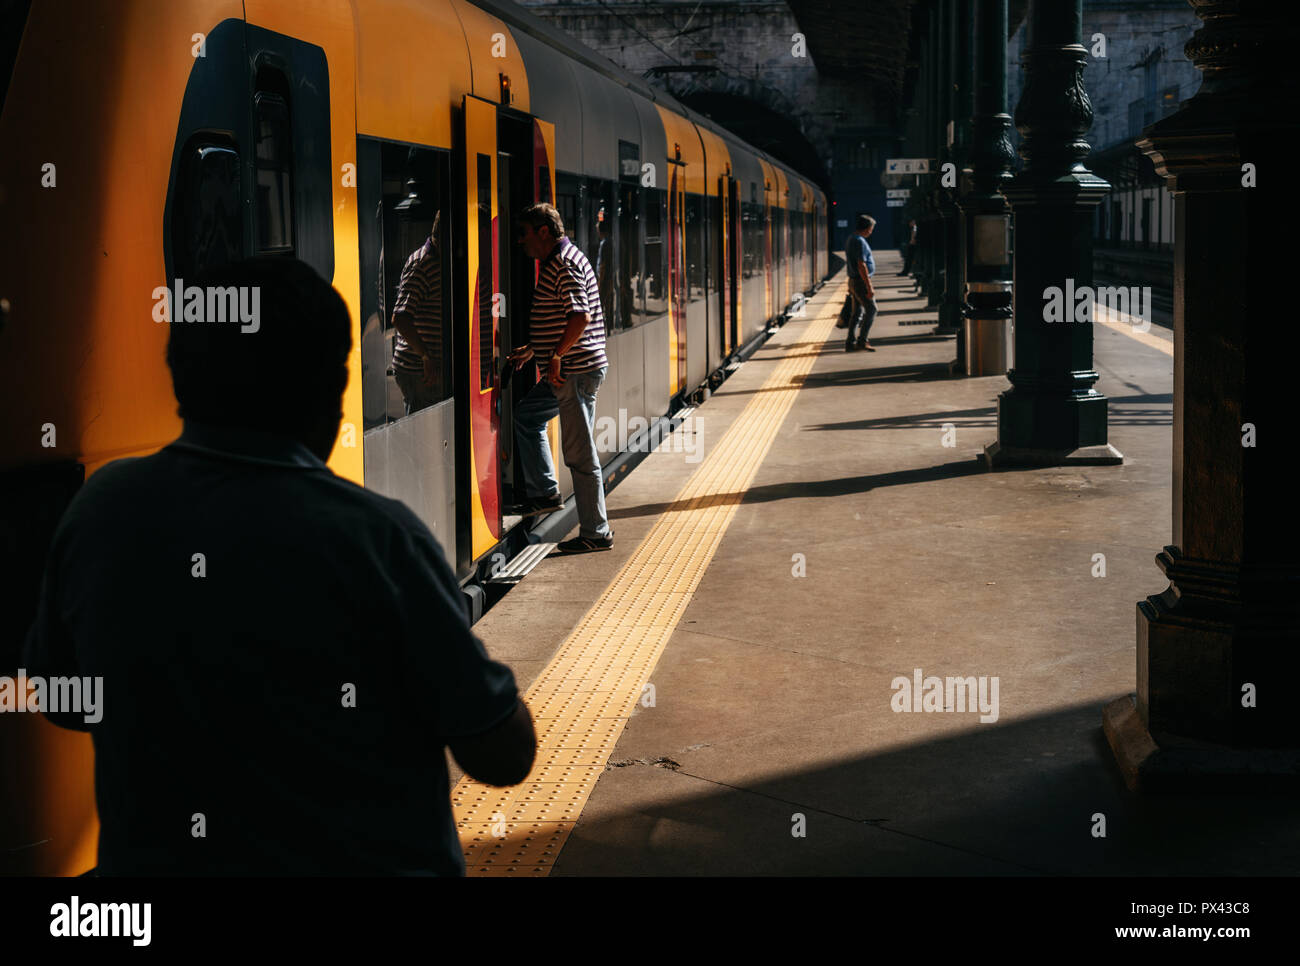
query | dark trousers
[864, 313]
[909, 251]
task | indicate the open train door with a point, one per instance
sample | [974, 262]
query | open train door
[725, 241]
[737, 258]
[478, 346]
[677, 298]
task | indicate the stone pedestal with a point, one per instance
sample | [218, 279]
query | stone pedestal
[1218, 652]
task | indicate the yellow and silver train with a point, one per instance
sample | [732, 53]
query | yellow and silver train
[142, 141]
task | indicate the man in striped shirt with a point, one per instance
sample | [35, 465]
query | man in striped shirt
[417, 316]
[567, 341]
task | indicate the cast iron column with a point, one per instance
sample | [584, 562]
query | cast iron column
[932, 223]
[985, 210]
[950, 300]
[1051, 415]
[1218, 653]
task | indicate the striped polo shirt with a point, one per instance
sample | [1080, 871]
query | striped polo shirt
[567, 284]
[419, 295]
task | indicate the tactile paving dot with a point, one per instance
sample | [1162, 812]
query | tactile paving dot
[582, 699]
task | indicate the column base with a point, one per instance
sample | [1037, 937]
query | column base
[996, 455]
[1176, 764]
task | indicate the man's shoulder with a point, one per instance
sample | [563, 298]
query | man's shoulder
[574, 256]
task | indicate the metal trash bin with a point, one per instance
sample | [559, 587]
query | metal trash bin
[987, 345]
[988, 340]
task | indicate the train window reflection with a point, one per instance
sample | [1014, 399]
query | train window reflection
[206, 222]
[273, 173]
[405, 337]
[695, 246]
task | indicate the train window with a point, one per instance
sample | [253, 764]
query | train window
[206, 224]
[544, 184]
[655, 288]
[600, 248]
[273, 173]
[402, 241]
[628, 242]
[714, 253]
[568, 201]
[694, 247]
[629, 296]
[750, 239]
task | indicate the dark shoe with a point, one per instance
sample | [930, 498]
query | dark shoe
[850, 347]
[532, 508]
[867, 345]
[586, 544]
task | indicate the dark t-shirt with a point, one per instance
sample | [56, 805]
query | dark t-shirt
[227, 695]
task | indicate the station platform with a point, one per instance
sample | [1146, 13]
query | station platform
[718, 694]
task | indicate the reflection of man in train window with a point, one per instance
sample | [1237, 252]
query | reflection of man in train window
[417, 316]
[605, 271]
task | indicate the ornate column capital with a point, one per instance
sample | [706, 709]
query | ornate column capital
[1236, 48]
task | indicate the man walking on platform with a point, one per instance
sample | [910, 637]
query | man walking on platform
[909, 248]
[861, 266]
[567, 340]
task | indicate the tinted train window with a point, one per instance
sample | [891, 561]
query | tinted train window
[273, 173]
[568, 202]
[655, 274]
[485, 272]
[206, 223]
[753, 260]
[601, 250]
[629, 297]
[402, 231]
[715, 240]
[695, 246]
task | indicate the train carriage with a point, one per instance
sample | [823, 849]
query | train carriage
[145, 141]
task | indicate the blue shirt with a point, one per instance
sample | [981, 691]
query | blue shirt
[296, 685]
[857, 250]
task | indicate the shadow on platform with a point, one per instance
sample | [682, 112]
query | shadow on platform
[1015, 798]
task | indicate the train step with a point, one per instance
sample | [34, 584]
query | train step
[520, 565]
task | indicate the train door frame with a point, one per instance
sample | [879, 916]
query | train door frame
[725, 243]
[527, 145]
[677, 296]
[479, 491]
[734, 270]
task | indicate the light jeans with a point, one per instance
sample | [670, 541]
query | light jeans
[575, 402]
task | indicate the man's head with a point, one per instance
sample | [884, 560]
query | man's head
[283, 375]
[540, 229]
[866, 224]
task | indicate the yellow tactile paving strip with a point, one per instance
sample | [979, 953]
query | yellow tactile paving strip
[582, 699]
[1130, 325]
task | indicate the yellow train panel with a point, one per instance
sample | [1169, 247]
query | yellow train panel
[412, 68]
[87, 188]
[682, 136]
[493, 53]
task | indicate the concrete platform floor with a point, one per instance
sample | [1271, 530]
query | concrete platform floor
[773, 696]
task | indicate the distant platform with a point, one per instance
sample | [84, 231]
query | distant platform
[720, 694]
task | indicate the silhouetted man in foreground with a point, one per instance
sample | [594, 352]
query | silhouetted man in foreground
[283, 654]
